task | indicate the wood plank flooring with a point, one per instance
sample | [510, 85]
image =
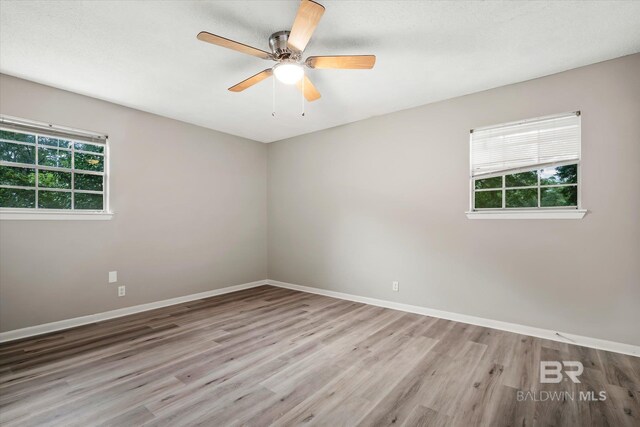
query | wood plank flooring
[271, 356]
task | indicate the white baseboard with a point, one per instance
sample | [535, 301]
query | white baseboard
[479, 321]
[92, 318]
[489, 323]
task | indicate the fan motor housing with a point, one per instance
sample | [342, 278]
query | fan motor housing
[279, 48]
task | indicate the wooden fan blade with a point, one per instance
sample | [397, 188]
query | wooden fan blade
[309, 14]
[256, 78]
[309, 90]
[230, 44]
[342, 62]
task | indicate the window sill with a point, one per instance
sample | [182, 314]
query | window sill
[56, 216]
[515, 214]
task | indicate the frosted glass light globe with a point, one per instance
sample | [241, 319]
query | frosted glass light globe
[288, 72]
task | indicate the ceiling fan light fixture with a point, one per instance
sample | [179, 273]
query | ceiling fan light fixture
[287, 49]
[288, 72]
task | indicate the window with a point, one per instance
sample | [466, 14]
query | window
[530, 166]
[48, 169]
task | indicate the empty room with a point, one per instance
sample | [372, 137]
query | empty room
[327, 213]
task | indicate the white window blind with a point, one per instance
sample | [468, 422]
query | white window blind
[28, 126]
[531, 143]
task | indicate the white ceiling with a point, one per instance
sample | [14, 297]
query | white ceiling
[144, 54]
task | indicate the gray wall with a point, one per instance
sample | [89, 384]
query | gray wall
[190, 216]
[350, 209]
[355, 207]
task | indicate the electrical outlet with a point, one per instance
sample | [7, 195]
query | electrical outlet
[122, 291]
[113, 276]
[395, 286]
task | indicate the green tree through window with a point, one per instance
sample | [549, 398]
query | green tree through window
[554, 187]
[44, 172]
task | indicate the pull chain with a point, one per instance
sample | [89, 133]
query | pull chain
[273, 105]
[302, 97]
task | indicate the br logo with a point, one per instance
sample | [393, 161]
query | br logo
[551, 371]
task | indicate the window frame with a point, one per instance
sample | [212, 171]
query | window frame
[41, 130]
[538, 187]
[538, 212]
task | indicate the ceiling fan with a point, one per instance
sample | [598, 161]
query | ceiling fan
[287, 48]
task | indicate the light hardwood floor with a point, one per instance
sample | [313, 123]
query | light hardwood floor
[271, 356]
